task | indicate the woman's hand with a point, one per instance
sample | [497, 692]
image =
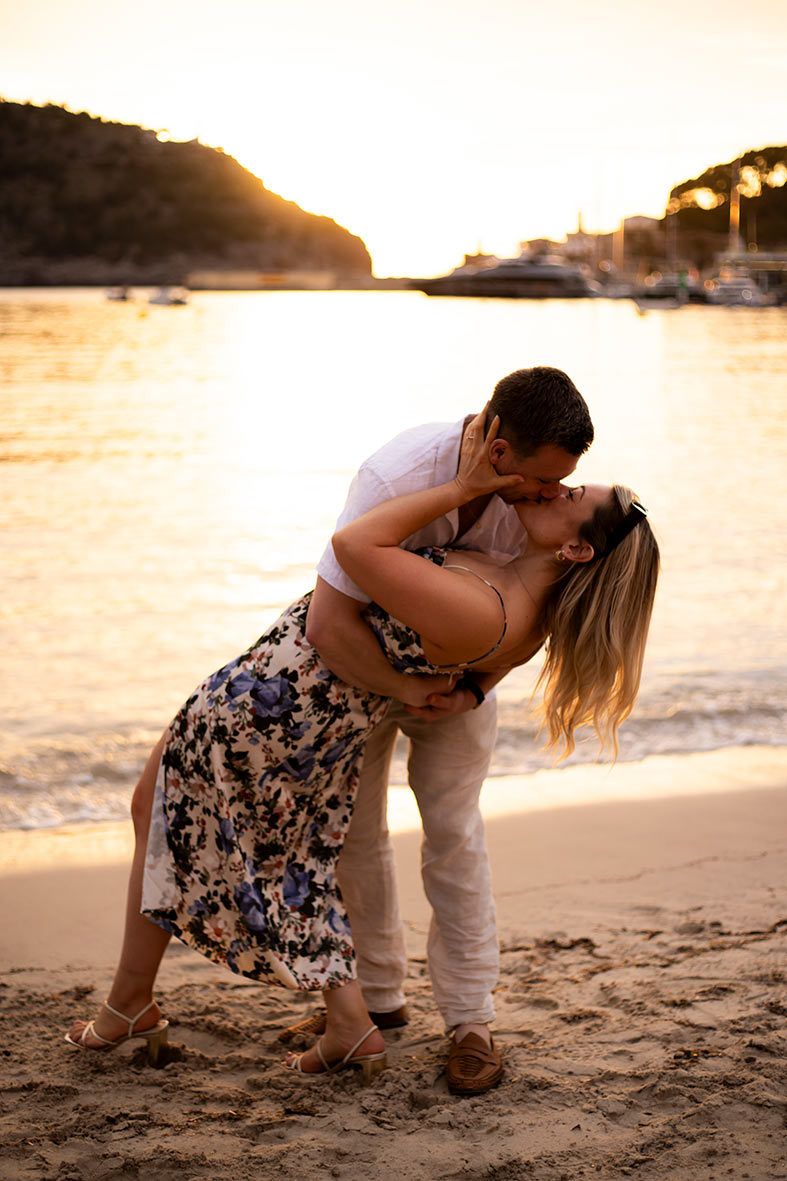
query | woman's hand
[476, 475]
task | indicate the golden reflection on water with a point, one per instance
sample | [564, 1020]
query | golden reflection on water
[171, 475]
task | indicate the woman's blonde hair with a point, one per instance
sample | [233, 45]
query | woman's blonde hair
[597, 623]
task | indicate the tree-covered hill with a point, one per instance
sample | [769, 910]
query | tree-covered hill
[84, 200]
[702, 204]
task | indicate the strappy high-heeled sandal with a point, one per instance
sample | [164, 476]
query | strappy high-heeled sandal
[370, 1064]
[155, 1036]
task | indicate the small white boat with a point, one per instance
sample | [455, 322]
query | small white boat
[658, 304]
[170, 297]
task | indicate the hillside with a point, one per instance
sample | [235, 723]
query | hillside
[702, 205]
[83, 200]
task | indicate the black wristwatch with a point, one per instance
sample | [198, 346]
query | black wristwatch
[467, 682]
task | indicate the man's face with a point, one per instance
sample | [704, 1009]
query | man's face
[540, 474]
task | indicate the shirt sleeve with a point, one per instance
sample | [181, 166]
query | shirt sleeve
[366, 490]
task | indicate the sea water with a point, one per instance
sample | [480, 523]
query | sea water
[170, 476]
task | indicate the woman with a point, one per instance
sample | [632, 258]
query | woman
[242, 809]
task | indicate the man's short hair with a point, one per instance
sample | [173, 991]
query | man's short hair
[541, 407]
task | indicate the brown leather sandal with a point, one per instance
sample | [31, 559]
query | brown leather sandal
[473, 1067]
[314, 1026]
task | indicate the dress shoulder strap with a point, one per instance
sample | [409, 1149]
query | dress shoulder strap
[468, 663]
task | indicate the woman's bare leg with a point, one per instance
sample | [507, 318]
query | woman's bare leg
[347, 1020]
[143, 942]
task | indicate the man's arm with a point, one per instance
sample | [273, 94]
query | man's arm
[349, 647]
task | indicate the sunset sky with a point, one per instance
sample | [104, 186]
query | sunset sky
[427, 127]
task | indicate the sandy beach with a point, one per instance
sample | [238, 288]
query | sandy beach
[641, 1006]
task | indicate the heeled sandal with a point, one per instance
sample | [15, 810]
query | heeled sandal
[370, 1064]
[155, 1036]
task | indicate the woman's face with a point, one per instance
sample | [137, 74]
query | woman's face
[554, 523]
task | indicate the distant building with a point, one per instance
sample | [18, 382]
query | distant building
[580, 246]
[541, 246]
[638, 222]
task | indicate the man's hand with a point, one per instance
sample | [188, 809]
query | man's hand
[420, 691]
[444, 705]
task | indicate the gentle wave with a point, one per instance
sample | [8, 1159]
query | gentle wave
[683, 733]
[62, 784]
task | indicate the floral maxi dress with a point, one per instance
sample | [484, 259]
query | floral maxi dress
[253, 799]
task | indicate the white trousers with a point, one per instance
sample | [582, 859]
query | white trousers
[447, 764]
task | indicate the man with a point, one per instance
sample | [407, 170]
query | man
[544, 428]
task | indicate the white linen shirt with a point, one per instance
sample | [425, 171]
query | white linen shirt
[422, 457]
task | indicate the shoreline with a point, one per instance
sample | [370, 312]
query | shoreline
[727, 769]
[640, 1009]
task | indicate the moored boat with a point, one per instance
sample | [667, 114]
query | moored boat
[736, 291]
[666, 291]
[170, 296]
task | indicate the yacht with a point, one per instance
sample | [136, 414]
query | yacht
[526, 277]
